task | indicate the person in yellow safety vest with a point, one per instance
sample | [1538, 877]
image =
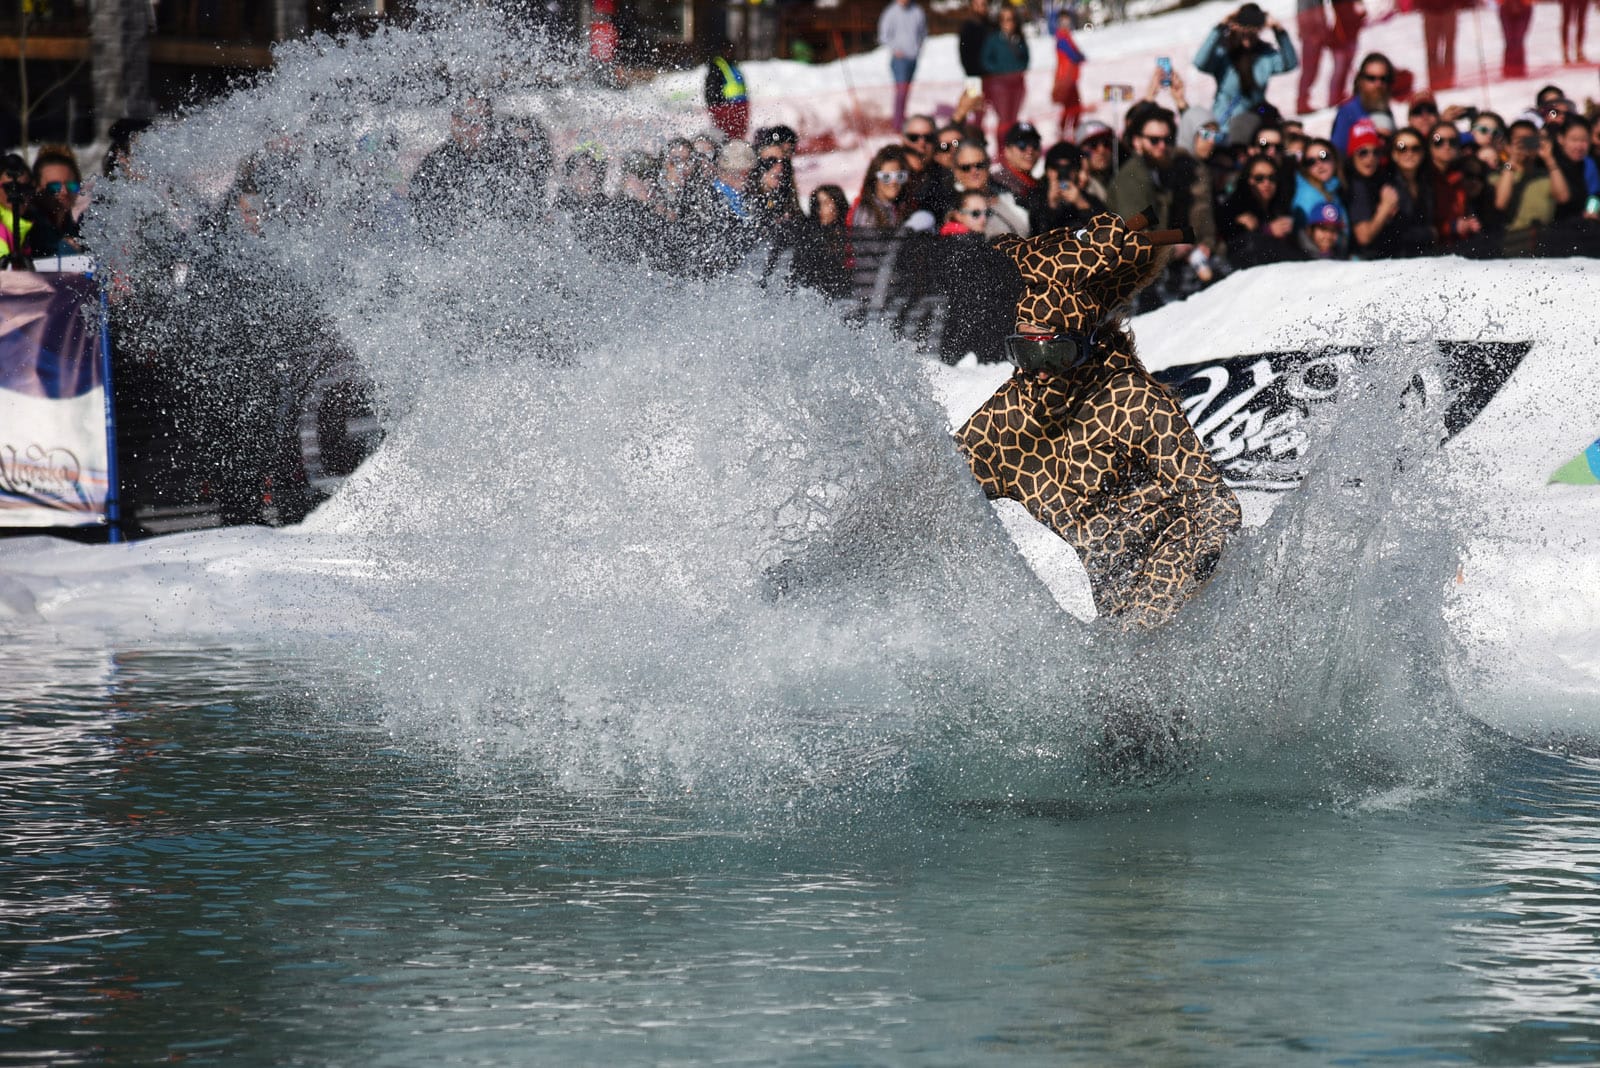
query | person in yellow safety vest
[16, 186]
[727, 97]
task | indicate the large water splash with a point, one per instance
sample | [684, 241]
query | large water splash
[699, 536]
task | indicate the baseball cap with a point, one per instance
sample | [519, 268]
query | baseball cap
[1325, 214]
[1364, 134]
[1023, 133]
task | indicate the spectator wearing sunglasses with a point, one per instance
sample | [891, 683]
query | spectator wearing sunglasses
[1268, 144]
[1488, 133]
[58, 209]
[969, 216]
[1454, 215]
[1252, 228]
[1145, 180]
[1099, 146]
[980, 283]
[882, 204]
[1317, 183]
[1241, 62]
[1019, 157]
[1374, 77]
[932, 185]
[1400, 223]
[1006, 216]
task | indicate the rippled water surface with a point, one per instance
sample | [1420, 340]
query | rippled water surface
[205, 862]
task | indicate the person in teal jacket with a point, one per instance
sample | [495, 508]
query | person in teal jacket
[1241, 62]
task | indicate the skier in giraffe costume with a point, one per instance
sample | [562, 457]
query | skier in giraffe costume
[1087, 441]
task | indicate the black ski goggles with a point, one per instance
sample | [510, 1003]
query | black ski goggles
[1049, 352]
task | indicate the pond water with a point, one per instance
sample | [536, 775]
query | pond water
[207, 859]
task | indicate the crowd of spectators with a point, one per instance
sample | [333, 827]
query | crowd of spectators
[1250, 186]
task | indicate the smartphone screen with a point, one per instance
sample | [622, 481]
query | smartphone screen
[1164, 63]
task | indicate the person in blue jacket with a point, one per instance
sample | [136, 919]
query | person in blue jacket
[1241, 62]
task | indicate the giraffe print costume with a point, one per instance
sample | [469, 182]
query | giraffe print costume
[1101, 453]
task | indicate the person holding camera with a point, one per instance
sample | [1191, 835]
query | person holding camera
[1234, 54]
[1522, 193]
[1063, 199]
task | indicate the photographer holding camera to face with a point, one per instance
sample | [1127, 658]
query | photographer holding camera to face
[1063, 198]
[1241, 62]
[1522, 190]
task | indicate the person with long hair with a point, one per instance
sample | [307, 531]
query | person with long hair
[882, 203]
[1249, 224]
[821, 259]
[1316, 181]
[1399, 222]
[1241, 62]
[771, 201]
[1005, 62]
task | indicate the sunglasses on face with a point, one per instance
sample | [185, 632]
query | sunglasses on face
[1095, 143]
[1166, 140]
[1367, 153]
[1320, 155]
[1406, 148]
[55, 188]
[1263, 179]
[1269, 146]
[893, 177]
[918, 138]
[1487, 130]
[976, 213]
[1374, 77]
[1440, 141]
[978, 166]
[949, 146]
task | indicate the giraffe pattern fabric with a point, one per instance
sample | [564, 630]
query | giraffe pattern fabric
[1102, 454]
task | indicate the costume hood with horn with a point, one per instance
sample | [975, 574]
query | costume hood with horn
[1085, 439]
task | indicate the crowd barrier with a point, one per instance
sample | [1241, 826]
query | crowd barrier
[57, 429]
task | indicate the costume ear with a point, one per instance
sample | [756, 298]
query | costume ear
[1012, 246]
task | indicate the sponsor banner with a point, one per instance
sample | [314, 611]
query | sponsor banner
[1250, 411]
[1582, 470]
[54, 453]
